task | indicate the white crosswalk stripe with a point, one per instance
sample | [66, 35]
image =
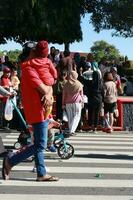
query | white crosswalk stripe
[102, 168]
[64, 197]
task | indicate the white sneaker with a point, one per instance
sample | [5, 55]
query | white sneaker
[34, 169]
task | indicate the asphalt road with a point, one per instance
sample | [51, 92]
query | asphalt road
[101, 169]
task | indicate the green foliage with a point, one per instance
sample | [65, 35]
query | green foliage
[128, 64]
[127, 68]
[60, 21]
[112, 14]
[55, 21]
[13, 55]
[128, 71]
[1, 53]
[102, 49]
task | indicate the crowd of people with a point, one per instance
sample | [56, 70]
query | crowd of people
[92, 98]
[81, 88]
[95, 101]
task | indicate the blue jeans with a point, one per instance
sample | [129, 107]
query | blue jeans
[40, 143]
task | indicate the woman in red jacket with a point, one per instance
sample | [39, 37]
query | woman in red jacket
[32, 89]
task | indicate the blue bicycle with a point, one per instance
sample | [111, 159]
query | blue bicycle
[64, 149]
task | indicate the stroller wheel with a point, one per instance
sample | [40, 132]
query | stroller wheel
[65, 151]
[17, 145]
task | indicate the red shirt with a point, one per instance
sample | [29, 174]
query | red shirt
[46, 70]
[6, 83]
[31, 98]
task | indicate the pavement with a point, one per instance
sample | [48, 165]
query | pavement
[101, 169]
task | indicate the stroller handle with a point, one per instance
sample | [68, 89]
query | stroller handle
[18, 111]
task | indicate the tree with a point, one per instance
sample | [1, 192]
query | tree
[60, 21]
[102, 49]
[56, 21]
[13, 55]
[111, 14]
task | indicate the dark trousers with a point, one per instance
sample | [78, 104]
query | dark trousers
[59, 111]
[93, 113]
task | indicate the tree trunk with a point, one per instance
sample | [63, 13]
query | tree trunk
[66, 46]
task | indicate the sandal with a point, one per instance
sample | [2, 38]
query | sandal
[109, 130]
[3, 170]
[50, 178]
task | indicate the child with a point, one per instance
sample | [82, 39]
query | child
[15, 80]
[110, 100]
[45, 68]
[58, 88]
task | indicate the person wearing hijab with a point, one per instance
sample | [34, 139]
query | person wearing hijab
[110, 100]
[94, 94]
[72, 101]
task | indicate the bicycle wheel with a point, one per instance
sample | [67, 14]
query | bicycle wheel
[17, 145]
[65, 151]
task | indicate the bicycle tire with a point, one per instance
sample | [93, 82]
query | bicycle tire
[17, 145]
[65, 154]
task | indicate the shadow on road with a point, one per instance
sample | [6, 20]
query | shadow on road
[104, 156]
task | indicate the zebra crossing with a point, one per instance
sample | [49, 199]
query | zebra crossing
[102, 168]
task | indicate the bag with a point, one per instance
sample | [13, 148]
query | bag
[8, 113]
[85, 99]
[65, 118]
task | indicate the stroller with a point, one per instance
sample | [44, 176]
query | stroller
[25, 132]
[23, 139]
[64, 149]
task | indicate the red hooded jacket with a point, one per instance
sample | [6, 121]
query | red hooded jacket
[31, 98]
[46, 70]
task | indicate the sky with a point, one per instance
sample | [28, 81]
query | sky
[124, 45]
